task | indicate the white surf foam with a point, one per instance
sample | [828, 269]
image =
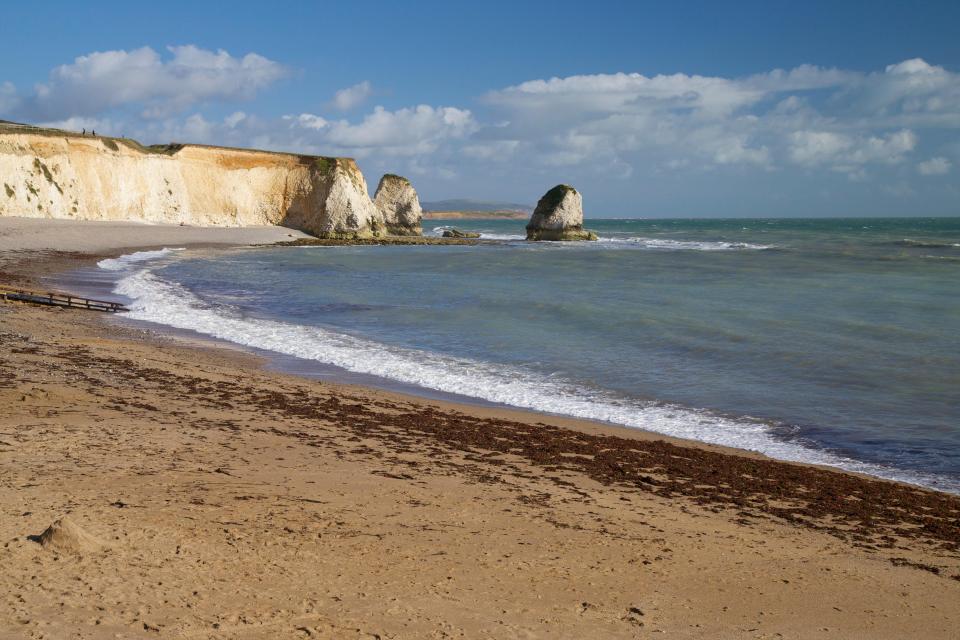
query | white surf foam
[501, 236]
[687, 245]
[167, 303]
[484, 235]
[133, 259]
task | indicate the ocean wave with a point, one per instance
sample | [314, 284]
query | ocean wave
[501, 236]
[688, 245]
[133, 259]
[164, 302]
[484, 235]
[925, 244]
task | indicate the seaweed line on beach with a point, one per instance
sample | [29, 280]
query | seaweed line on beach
[872, 514]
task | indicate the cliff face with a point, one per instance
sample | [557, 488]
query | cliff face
[397, 200]
[53, 174]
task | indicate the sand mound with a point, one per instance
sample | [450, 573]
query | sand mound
[67, 535]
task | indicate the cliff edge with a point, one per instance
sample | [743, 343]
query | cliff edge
[47, 173]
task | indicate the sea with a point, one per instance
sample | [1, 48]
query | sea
[827, 341]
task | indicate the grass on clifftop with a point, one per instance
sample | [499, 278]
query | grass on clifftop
[168, 149]
[555, 196]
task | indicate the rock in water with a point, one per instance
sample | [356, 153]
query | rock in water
[66, 535]
[398, 202]
[559, 216]
[456, 233]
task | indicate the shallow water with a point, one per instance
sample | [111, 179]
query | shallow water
[829, 341]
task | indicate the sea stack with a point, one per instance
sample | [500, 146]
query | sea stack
[398, 203]
[559, 216]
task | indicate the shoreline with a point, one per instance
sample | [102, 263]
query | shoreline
[767, 447]
[59, 268]
[365, 487]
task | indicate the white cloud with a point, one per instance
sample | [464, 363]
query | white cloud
[104, 80]
[848, 154]
[308, 121]
[234, 119]
[498, 150]
[737, 150]
[409, 131]
[351, 97]
[816, 147]
[783, 125]
[416, 132]
[934, 166]
[839, 120]
[612, 93]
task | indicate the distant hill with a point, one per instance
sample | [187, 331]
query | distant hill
[465, 205]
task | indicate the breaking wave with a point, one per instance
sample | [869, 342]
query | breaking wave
[687, 245]
[154, 299]
[925, 244]
[131, 259]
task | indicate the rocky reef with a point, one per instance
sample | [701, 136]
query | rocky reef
[397, 201]
[456, 233]
[49, 173]
[559, 216]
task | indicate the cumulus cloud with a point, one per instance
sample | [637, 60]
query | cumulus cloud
[838, 150]
[805, 121]
[234, 119]
[934, 166]
[409, 131]
[104, 80]
[307, 121]
[352, 97]
[613, 93]
[810, 116]
[419, 131]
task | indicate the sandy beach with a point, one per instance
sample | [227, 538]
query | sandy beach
[205, 496]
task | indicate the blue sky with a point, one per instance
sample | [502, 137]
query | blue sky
[650, 109]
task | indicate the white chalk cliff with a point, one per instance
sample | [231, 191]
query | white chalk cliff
[47, 173]
[559, 216]
[397, 200]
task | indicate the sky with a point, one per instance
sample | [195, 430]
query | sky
[650, 109]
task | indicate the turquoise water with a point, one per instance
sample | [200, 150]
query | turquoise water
[830, 341]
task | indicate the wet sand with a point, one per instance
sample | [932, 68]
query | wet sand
[223, 500]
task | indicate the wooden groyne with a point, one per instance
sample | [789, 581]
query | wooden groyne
[60, 300]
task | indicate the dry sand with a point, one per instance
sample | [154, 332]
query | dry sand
[201, 496]
[33, 234]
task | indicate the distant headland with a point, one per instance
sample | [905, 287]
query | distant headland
[476, 209]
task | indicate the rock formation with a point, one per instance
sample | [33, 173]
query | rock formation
[397, 201]
[559, 216]
[47, 173]
[456, 233]
[67, 535]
